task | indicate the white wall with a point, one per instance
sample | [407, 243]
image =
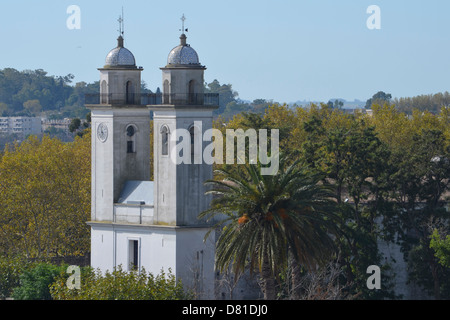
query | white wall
[102, 247]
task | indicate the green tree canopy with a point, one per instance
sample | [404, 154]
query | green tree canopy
[379, 98]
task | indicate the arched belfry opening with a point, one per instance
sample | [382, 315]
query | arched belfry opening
[129, 92]
[166, 92]
[191, 92]
[104, 92]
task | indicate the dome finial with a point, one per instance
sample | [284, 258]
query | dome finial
[183, 40]
[120, 42]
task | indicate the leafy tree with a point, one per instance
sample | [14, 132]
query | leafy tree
[432, 103]
[312, 148]
[266, 218]
[441, 248]
[16, 88]
[365, 152]
[379, 98]
[3, 109]
[32, 106]
[260, 105]
[426, 271]
[45, 190]
[34, 283]
[74, 125]
[233, 108]
[144, 87]
[10, 270]
[120, 285]
[338, 104]
[419, 184]
[226, 94]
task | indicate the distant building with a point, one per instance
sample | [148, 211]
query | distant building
[61, 124]
[20, 125]
[369, 112]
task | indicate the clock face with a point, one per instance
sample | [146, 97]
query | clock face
[102, 132]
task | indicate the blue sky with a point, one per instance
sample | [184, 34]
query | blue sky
[285, 50]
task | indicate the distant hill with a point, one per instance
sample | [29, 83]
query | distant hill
[33, 92]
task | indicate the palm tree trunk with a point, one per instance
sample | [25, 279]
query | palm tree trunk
[296, 277]
[268, 281]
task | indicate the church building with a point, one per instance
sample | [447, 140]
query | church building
[135, 222]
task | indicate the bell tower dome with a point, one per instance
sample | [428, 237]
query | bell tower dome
[183, 76]
[120, 78]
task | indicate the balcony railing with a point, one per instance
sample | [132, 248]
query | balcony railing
[153, 99]
[112, 98]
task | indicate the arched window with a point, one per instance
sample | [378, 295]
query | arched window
[131, 134]
[165, 140]
[166, 92]
[129, 93]
[104, 93]
[192, 96]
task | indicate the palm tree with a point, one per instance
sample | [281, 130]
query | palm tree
[266, 219]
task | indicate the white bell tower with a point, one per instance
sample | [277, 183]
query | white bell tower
[179, 190]
[120, 162]
[120, 132]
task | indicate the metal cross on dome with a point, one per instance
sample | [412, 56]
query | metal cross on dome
[183, 18]
[120, 20]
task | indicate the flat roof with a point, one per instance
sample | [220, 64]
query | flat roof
[137, 192]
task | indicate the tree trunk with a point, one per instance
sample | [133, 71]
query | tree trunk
[268, 281]
[296, 278]
[436, 282]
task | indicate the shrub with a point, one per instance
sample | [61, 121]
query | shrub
[120, 285]
[10, 271]
[35, 282]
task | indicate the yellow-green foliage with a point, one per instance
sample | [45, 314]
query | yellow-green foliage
[45, 197]
[393, 127]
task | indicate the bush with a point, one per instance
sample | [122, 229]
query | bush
[120, 285]
[10, 271]
[35, 282]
